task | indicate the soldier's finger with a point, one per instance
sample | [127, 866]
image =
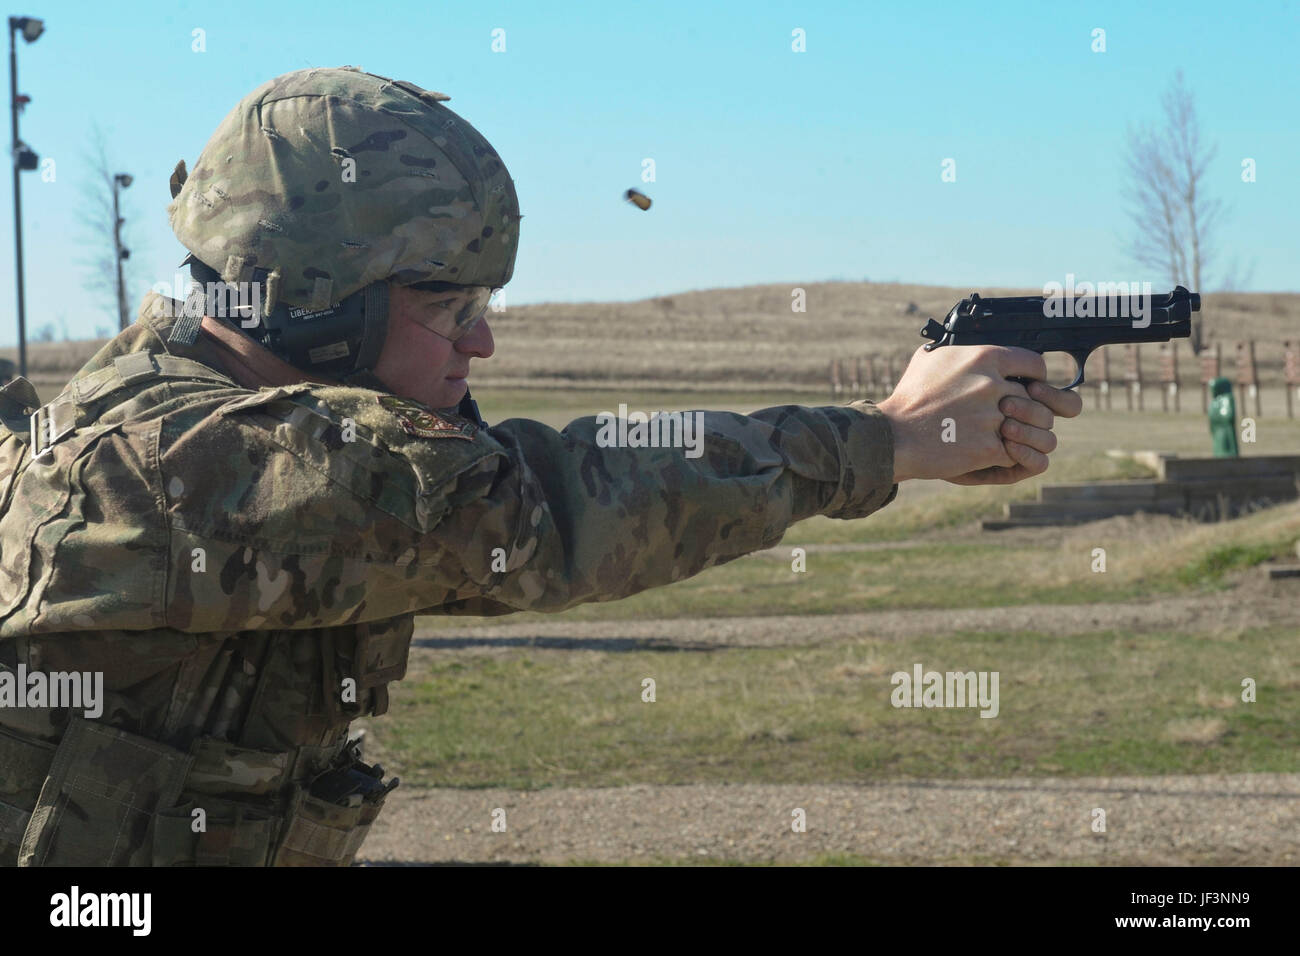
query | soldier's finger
[1027, 410]
[1034, 461]
[1040, 439]
[1065, 403]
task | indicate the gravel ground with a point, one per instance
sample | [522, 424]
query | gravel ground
[1246, 819]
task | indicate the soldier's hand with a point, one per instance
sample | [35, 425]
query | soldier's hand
[1027, 434]
[956, 416]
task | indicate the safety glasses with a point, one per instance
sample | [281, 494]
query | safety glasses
[453, 311]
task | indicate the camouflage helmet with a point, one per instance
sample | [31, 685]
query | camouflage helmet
[332, 179]
[318, 188]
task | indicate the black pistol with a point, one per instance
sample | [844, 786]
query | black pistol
[1077, 325]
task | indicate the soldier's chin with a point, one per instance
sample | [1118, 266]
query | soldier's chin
[451, 391]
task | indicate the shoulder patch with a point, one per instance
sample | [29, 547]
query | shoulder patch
[422, 422]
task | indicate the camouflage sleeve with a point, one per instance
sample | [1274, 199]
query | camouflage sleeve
[578, 522]
[372, 514]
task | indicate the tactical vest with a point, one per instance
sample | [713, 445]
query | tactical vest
[217, 749]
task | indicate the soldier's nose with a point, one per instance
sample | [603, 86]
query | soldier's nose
[477, 341]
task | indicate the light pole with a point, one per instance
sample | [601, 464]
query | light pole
[120, 181]
[23, 159]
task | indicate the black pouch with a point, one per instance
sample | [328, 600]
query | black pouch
[320, 833]
[327, 825]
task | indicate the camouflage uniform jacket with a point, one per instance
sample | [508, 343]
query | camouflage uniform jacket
[244, 566]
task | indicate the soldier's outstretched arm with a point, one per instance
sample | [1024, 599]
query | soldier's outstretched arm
[335, 510]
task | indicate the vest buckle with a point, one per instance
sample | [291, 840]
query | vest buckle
[50, 423]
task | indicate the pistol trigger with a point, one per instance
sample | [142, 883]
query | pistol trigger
[1080, 357]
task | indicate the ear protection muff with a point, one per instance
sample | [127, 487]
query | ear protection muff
[345, 338]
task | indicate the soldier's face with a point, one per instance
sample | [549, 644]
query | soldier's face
[417, 362]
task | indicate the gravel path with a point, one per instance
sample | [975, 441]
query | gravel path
[1251, 819]
[1251, 605]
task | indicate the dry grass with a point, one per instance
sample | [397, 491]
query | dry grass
[1196, 730]
[750, 334]
[1214, 701]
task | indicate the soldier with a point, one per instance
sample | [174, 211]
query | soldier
[235, 509]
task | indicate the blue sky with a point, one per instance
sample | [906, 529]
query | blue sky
[771, 166]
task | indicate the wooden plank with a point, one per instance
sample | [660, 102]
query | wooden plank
[1186, 469]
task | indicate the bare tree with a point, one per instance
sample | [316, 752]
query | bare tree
[97, 219]
[1174, 219]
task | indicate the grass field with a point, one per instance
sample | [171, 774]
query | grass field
[1087, 704]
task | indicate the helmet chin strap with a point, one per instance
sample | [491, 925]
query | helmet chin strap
[376, 327]
[468, 408]
[372, 339]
